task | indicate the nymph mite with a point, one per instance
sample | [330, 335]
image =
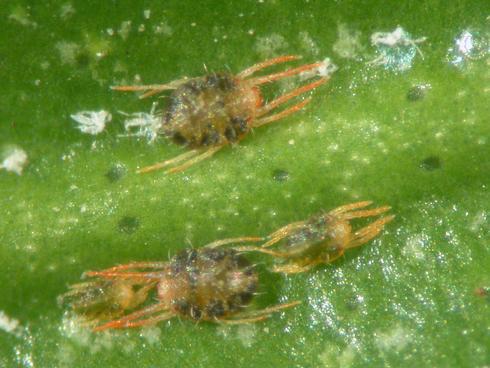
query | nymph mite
[322, 238]
[207, 113]
[206, 284]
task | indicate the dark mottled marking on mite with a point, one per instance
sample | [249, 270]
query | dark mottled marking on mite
[210, 137]
[240, 124]
[195, 312]
[192, 87]
[220, 81]
[230, 134]
[182, 260]
[179, 139]
[128, 224]
[238, 262]
[249, 271]
[215, 255]
[431, 163]
[246, 297]
[215, 309]
[182, 306]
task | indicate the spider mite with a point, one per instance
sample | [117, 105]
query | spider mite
[322, 238]
[206, 284]
[207, 113]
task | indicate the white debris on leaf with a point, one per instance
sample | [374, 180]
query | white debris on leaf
[92, 122]
[396, 49]
[142, 124]
[348, 44]
[326, 69]
[470, 45]
[15, 160]
[9, 325]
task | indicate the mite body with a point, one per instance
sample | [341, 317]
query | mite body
[322, 238]
[207, 284]
[210, 112]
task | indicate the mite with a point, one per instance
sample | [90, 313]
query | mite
[206, 284]
[322, 238]
[207, 113]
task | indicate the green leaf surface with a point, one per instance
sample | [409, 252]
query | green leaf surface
[404, 123]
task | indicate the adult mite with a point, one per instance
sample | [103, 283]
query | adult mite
[323, 238]
[206, 284]
[209, 112]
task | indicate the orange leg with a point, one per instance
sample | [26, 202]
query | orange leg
[191, 161]
[134, 265]
[287, 73]
[129, 320]
[262, 250]
[140, 276]
[161, 165]
[369, 232]
[257, 316]
[349, 207]
[259, 66]
[365, 213]
[152, 89]
[282, 114]
[221, 242]
[283, 232]
[286, 97]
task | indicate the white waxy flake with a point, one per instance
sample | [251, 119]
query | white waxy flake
[14, 161]
[92, 122]
[9, 325]
[399, 37]
[396, 49]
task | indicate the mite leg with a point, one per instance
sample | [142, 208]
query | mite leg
[369, 232]
[138, 277]
[262, 250]
[348, 207]
[191, 161]
[132, 320]
[161, 165]
[259, 315]
[133, 265]
[259, 66]
[152, 89]
[219, 243]
[283, 232]
[365, 213]
[282, 114]
[286, 97]
[295, 268]
[208, 153]
[287, 73]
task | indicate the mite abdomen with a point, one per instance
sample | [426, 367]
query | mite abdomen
[208, 111]
[209, 284]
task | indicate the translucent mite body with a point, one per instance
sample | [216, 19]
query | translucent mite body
[322, 238]
[206, 284]
[210, 112]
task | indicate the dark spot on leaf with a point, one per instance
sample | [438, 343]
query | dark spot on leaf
[128, 224]
[83, 59]
[416, 93]
[116, 172]
[431, 163]
[280, 175]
